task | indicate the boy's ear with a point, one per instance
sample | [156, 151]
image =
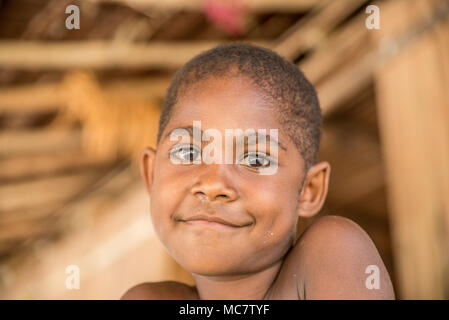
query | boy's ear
[314, 190]
[147, 167]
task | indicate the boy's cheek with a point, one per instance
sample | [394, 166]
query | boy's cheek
[275, 210]
[270, 197]
[162, 205]
[162, 201]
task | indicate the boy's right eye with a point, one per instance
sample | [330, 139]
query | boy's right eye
[187, 154]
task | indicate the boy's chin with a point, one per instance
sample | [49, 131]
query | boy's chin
[211, 266]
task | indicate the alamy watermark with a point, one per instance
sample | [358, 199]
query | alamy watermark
[73, 20]
[373, 20]
[250, 147]
[73, 280]
[373, 280]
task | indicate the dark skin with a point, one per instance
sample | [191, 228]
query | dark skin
[257, 257]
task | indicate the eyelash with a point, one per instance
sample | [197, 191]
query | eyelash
[259, 155]
[265, 156]
[173, 152]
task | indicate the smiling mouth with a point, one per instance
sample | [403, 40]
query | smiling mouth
[212, 221]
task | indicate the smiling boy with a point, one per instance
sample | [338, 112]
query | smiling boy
[229, 225]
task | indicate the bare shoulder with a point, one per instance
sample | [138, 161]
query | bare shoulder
[335, 228]
[165, 290]
[336, 259]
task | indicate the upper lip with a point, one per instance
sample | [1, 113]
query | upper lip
[214, 219]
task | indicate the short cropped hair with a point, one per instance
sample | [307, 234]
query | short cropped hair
[290, 94]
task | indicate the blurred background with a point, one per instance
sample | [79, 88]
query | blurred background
[78, 105]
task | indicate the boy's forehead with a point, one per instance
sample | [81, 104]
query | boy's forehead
[229, 103]
[224, 103]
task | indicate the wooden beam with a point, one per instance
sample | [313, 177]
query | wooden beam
[357, 75]
[22, 231]
[42, 97]
[38, 141]
[26, 216]
[413, 109]
[347, 82]
[198, 5]
[312, 30]
[91, 189]
[322, 62]
[43, 191]
[100, 54]
[33, 166]
[337, 87]
[336, 49]
[333, 91]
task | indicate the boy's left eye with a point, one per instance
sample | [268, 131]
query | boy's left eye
[187, 154]
[256, 160]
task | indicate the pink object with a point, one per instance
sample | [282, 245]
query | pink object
[227, 15]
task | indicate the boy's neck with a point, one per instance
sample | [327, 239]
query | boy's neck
[253, 286]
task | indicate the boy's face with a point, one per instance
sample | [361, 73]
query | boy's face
[262, 210]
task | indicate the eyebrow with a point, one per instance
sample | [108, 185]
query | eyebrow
[189, 129]
[268, 137]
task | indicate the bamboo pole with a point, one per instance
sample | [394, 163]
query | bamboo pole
[413, 109]
[39, 192]
[37, 55]
[310, 31]
[44, 97]
[39, 141]
[25, 166]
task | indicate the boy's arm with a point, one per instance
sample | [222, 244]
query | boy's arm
[338, 260]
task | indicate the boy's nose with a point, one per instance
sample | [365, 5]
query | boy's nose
[213, 186]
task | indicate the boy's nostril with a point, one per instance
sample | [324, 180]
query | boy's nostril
[201, 195]
[210, 196]
[213, 192]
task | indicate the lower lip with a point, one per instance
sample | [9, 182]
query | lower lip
[213, 224]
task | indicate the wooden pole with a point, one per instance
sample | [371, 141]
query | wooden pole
[312, 30]
[38, 55]
[413, 110]
[46, 97]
